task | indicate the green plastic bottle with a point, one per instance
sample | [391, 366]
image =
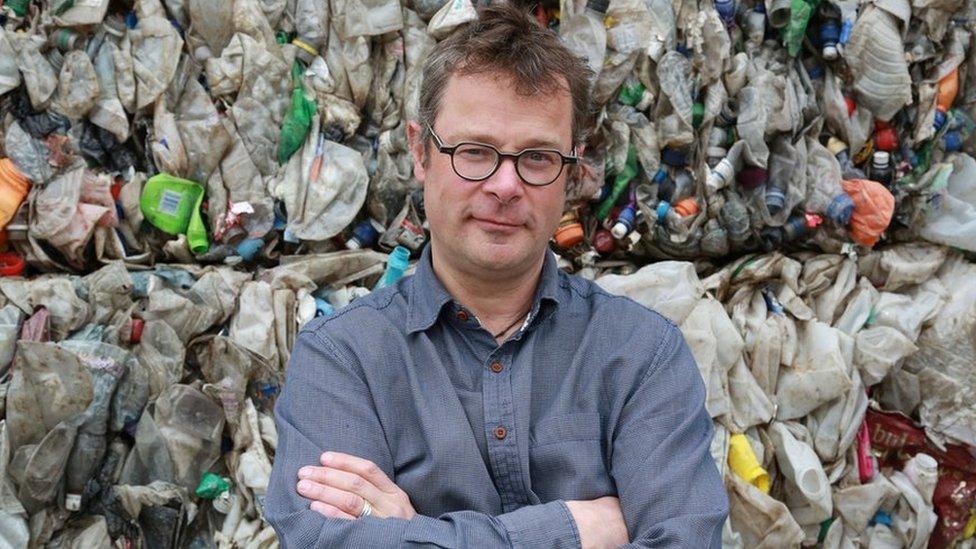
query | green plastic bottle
[298, 119]
[619, 185]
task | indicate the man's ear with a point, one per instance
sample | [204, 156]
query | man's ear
[418, 149]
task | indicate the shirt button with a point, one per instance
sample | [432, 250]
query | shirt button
[462, 316]
[500, 433]
[497, 367]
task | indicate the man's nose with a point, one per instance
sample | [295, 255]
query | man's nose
[505, 184]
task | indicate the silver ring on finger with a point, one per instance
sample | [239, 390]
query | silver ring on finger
[367, 509]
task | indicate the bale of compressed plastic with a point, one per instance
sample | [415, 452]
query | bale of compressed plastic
[184, 185]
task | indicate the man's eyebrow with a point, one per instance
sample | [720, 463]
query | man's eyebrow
[531, 143]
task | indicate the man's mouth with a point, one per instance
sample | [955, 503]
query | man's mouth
[496, 224]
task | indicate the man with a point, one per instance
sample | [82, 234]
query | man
[491, 400]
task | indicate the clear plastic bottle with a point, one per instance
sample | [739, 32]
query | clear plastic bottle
[585, 34]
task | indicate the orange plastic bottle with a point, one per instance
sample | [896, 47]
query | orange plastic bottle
[948, 88]
[13, 189]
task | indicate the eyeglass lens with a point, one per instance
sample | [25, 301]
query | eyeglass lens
[536, 167]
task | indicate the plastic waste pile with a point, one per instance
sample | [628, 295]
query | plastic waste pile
[212, 132]
[841, 391]
[183, 184]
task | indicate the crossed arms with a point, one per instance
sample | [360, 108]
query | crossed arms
[680, 505]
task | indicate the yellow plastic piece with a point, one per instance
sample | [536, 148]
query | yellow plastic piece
[743, 462]
[970, 529]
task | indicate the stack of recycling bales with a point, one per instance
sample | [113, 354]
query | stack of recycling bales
[184, 184]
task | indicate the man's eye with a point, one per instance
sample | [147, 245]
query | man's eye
[540, 158]
[473, 153]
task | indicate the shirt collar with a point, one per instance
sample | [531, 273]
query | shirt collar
[428, 296]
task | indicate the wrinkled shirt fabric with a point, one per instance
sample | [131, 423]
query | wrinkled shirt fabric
[595, 395]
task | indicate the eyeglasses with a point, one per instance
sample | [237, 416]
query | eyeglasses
[479, 161]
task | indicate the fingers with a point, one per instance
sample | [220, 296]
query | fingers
[330, 511]
[330, 498]
[362, 467]
[342, 480]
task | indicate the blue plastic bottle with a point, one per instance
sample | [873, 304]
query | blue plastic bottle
[397, 263]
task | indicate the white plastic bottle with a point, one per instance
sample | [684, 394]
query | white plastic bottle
[801, 466]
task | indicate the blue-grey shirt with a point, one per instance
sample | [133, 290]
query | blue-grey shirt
[596, 395]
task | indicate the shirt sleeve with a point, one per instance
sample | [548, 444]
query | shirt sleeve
[670, 489]
[326, 405]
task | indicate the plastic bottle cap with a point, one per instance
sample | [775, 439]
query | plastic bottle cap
[830, 54]
[697, 113]
[815, 71]
[598, 5]
[840, 209]
[722, 174]
[662, 211]
[886, 139]
[952, 141]
[751, 177]
[619, 230]
[249, 247]
[726, 10]
[716, 152]
[603, 242]
[674, 157]
[880, 160]
[686, 207]
[135, 333]
[775, 200]
[569, 235]
[11, 264]
[835, 145]
[72, 502]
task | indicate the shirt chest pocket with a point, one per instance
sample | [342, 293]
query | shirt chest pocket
[566, 458]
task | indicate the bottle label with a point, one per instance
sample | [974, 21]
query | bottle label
[169, 202]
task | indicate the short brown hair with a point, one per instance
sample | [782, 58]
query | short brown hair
[505, 39]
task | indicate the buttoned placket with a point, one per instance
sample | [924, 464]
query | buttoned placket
[501, 431]
[498, 404]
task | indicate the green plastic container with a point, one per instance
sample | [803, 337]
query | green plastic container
[172, 205]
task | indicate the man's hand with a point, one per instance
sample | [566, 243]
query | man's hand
[600, 522]
[340, 488]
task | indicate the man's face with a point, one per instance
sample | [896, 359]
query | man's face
[499, 224]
